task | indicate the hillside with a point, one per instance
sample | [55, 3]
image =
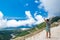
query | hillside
[42, 26]
[6, 34]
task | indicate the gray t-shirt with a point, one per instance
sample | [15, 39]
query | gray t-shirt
[48, 24]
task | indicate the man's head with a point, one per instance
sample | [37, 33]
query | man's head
[47, 19]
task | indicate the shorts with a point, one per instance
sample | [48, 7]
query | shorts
[47, 29]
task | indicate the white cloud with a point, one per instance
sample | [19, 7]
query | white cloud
[35, 13]
[25, 28]
[12, 23]
[26, 22]
[39, 19]
[36, 1]
[52, 6]
[40, 6]
[29, 21]
[28, 14]
[2, 23]
[1, 15]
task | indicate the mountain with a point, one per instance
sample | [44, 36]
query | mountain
[55, 19]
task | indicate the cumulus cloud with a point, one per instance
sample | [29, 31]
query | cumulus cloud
[2, 23]
[52, 6]
[39, 18]
[14, 23]
[29, 21]
[28, 14]
[1, 15]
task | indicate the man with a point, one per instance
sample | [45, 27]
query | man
[48, 33]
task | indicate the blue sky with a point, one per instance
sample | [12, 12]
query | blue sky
[17, 8]
[28, 12]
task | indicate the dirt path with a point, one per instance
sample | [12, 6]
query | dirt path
[55, 35]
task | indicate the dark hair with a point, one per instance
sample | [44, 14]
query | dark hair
[47, 19]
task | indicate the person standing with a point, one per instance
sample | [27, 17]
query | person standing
[48, 31]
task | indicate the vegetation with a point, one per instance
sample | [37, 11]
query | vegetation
[6, 34]
[55, 19]
[42, 25]
[23, 33]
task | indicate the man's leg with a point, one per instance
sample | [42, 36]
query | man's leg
[49, 34]
[46, 34]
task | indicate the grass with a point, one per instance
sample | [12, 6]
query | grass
[23, 33]
[40, 26]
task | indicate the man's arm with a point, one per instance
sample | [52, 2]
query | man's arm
[44, 20]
